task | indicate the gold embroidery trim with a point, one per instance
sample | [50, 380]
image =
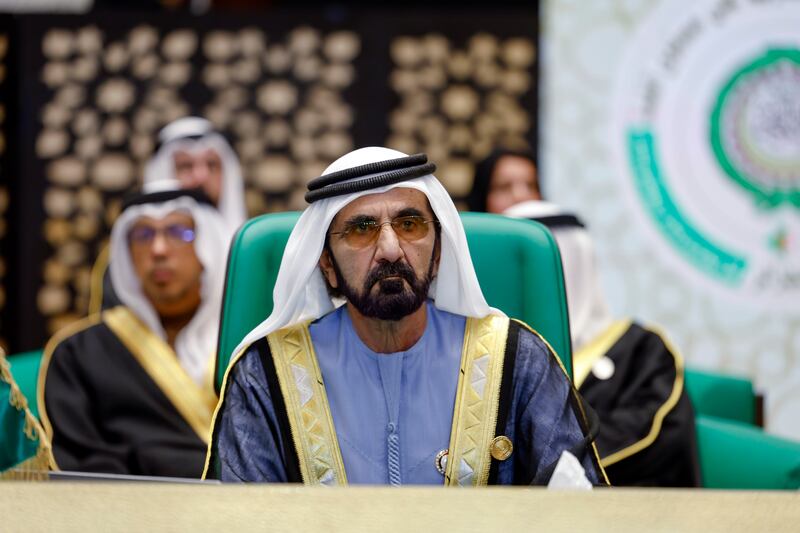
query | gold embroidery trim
[661, 413]
[309, 414]
[96, 280]
[34, 468]
[195, 404]
[477, 401]
[585, 358]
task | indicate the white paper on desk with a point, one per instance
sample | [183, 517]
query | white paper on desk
[569, 474]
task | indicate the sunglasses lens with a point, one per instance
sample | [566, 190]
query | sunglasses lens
[410, 228]
[361, 234]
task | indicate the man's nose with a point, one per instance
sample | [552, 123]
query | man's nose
[200, 173]
[159, 246]
[388, 245]
[521, 191]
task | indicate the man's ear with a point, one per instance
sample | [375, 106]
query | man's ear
[326, 266]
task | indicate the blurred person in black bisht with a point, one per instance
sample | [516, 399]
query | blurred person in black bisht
[630, 374]
[129, 390]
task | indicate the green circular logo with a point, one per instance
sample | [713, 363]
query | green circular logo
[755, 128]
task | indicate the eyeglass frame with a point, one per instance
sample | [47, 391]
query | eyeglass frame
[379, 225]
[172, 238]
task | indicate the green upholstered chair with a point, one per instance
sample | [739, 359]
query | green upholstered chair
[517, 263]
[721, 396]
[25, 368]
[734, 455]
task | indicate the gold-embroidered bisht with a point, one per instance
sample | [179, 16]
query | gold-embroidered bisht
[474, 417]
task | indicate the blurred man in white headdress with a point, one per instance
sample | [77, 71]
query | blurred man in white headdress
[631, 375]
[196, 155]
[129, 391]
[414, 379]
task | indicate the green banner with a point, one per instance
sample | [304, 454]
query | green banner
[709, 257]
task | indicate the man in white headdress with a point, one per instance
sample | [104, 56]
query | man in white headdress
[129, 390]
[414, 379]
[631, 375]
[196, 155]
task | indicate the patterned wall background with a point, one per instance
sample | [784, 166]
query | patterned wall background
[290, 92]
[456, 103]
[585, 43]
[283, 105]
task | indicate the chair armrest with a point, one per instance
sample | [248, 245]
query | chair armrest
[734, 455]
[721, 396]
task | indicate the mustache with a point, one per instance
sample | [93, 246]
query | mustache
[385, 270]
[160, 262]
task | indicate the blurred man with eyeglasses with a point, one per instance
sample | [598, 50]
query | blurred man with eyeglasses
[129, 390]
[195, 156]
[382, 362]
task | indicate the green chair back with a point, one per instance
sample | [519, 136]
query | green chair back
[721, 396]
[253, 263]
[517, 263]
[519, 269]
[740, 456]
[25, 368]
